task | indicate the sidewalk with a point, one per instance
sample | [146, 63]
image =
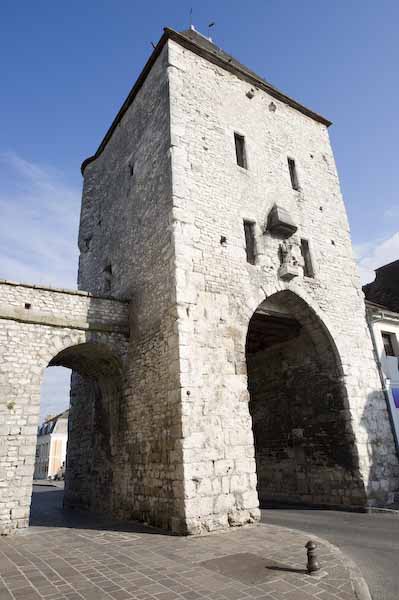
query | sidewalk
[262, 562]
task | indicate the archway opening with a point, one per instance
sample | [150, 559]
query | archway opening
[304, 445]
[94, 402]
[53, 419]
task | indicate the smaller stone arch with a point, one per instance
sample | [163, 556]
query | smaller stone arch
[41, 327]
[91, 359]
[97, 417]
[304, 444]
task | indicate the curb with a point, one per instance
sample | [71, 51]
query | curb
[358, 582]
[389, 511]
[359, 585]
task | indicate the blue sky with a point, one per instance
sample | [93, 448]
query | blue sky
[67, 67]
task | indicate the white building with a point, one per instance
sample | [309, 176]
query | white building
[51, 446]
[382, 304]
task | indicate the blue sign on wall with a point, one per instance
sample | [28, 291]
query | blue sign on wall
[395, 394]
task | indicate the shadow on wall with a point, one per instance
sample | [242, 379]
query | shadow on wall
[47, 511]
[383, 463]
[304, 444]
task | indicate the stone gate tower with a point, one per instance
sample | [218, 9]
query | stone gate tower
[213, 206]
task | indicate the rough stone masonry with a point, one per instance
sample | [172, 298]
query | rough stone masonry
[213, 206]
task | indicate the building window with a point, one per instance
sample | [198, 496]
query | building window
[293, 174]
[389, 343]
[240, 150]
[107, 278]
[308, 270]
[250, 246]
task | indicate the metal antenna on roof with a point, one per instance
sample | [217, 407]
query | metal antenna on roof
[191, 18]
[211, 24]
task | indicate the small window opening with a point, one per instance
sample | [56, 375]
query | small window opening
[293, 174]
[389, 345]
[107, 278]
[240, 150]
[308, 270]
[28, 305]
[250, 245]
[131, 169]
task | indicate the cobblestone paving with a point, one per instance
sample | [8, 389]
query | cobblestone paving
[79, 558]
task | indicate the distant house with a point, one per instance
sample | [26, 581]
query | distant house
[51, 446]
[382, 306]
[384, 290]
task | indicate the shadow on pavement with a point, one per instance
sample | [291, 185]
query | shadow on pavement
[47, 511]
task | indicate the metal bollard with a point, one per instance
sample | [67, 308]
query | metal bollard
[312, 565]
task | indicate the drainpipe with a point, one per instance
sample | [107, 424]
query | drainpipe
[383, 380]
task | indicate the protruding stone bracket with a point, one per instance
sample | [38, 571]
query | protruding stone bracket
[280, 223]
[288, 272]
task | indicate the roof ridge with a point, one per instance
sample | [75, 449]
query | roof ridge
[208, 50]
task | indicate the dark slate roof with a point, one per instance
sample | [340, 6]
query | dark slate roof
[384, 290]
[202, 46]
[215, 54]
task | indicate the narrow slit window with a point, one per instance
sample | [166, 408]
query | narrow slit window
[388, 342]
[293, 174]
[308, 270]
[240, 150]
[250, 246]
[107, 278]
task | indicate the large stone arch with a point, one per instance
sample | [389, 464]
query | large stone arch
[304, 444]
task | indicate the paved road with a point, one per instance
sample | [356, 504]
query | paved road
[68, 555]
[371, 540]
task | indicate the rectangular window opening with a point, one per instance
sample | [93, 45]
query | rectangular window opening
[240, 150]
[389, 343]
[250, 245]
[293, 174]
[108, 278]
[308, 270]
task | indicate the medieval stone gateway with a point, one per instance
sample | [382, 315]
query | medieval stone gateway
[220, 352]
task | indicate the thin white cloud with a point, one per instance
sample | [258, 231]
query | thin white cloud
[391, 213]
[375, 254]
[39, 217]
[39, 214]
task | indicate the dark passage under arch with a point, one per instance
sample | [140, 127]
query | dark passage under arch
[304, 445]
[95, 424]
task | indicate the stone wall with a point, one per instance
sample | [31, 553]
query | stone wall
[38, 327]
[218, 291]
[35, 303]
[160, 425]
[126, 248]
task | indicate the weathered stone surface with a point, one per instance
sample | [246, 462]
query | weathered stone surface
[31, 339]
[161, 429]
[218, 291]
